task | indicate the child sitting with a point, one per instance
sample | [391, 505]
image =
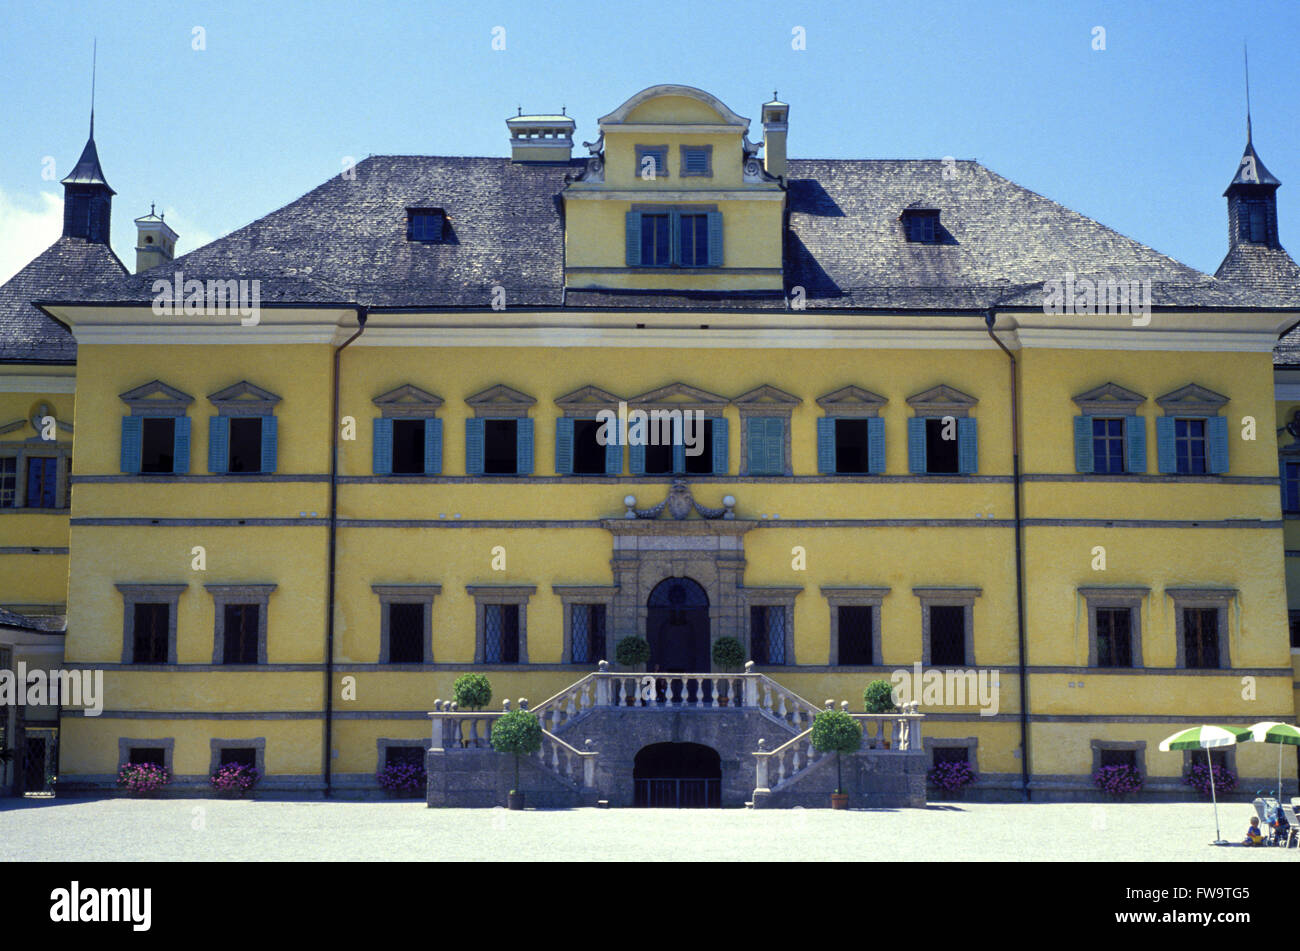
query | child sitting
[1253, 834]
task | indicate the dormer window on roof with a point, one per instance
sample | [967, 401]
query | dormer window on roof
[921, 225]
[424, 224]
[652, 161]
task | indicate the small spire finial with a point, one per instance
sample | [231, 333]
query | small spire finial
[94, 57]
[519, 110]
[151, 208]
[562, 112]
[1245, 55]
[775, 97]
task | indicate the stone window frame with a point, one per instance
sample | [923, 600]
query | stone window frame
[838, 596]
[125, 744]
[20, 452]
[1218, 598]
[227, 594]
[258, 744]
[384, 743]
[149, 593]
[1191, 757]
[970, 743]
[1125, 597]
[711, 405]
[681, 160]
[571, 594]
[230, 401]
[952, 597]
[1192, 400]
[585, 403]
[500, 402]
[1108, 400]
[390, 594]
[408, 402]
[661, 168]
[766, 401]
[1138, 747]
[485, 594]
[940, 401]
[777, 597]
[173, 402]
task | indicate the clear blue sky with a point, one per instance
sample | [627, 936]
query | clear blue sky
[1142, 136]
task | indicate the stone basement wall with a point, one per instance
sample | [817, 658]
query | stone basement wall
[484, 778]
[873, 779]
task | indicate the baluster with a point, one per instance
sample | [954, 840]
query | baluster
[555, 756]
[570, 710]
[781, 712]
[795, 764]
[473, 731]
[555, 718]
[780, 769]
[797, 718]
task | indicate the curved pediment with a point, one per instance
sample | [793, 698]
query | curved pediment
[674, 105]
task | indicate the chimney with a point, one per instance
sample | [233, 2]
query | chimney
[541, 138]
[155, 241]
[776, 119]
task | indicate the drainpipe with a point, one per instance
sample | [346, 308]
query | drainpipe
[989, 318]
[362, 314]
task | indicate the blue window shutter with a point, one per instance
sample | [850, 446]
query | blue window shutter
[916, 445]
[1135, 443]
[1216, 432]
[715, 238]
[270, 443]
[218, 443]
[524, 446]
[875, 445]
[1083, 461]
[968, 456]
[776, 445]
[432, 446]
[383, 446]
[720, 460]
[675, 238]
[1166, 460]
[826, 445]
[613, 457]
[756, 445]
[633, 219]
[132, 427]
[474, 447]
[564, 446]
[679, 453]
[181, 462]
[636, 458]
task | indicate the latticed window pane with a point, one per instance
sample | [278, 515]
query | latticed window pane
[1108, 445]
[8, 482]
[1114, 645]
[150, 634]
[767, 634]
[947, 635]
[501, 637]
[1201, 636]
[406, 633]
[578, 621]
[41, 481]
[855, 634]
[241, 633]
[1189, 444]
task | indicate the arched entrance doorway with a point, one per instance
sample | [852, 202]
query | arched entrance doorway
[677, 776]
[677, 627]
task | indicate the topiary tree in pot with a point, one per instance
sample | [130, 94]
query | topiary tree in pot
[728, 656]
[472, 691]
[834, 731]
[632, 652]
[879, 698]
[518, 732]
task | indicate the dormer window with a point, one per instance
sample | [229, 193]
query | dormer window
[697, 160]
[921, 225]
[651, 161]
[424, 224]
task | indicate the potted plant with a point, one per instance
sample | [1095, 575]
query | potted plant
[879, 698]
[728, 656]
[142, 779]
[1118, 781]
[472, 691]
[952, 777]
[518, 732]
[632, 652]
[403, 779]
[834, 731]
[232, 779]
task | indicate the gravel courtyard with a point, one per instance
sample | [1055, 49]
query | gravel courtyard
[222, 830]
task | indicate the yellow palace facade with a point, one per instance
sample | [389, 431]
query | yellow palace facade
[295, 521]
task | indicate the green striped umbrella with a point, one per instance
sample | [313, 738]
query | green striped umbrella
[1284, 734]
[1208, 738]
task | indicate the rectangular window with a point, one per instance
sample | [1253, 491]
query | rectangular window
[1189, 446]
[658, 459]
[1254, 222]
[245, 444]
[8, 482]
[1290, 487]
[1295, 628]
[404, 756]
[1107, 445]
[767, 634]
[652, 159]
[587, 633]
[1114, 637]
[951, 754]
[851, 446]
[922, 228]
[241, 630]
[588, 453]
[694, 241]
[237, 756]
[41, 472]
[150, 633]
[405, 633]
[1117, 758]
[158, 444]
[696, 161]
[424, 225]
[147, 756]
[941, 454]
[408, 447]
[501, 637]
[500, 446]
[856, 633]
[1201, 637]
[947, 635]
[702, 464]
[656, 241]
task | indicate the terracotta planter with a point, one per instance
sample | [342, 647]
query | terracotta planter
[839, 800]
[886, 743]
[516, 801]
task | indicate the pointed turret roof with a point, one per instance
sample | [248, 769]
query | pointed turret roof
[87, 170]
[1251, 170]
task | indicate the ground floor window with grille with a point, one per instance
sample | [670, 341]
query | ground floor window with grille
[1114, 637]
[587, 633]
[406, 633]
[947, 635]
[501, 633]
[150, 633]
[241, 633]
[856, 634]
[767, 634]
[1201, 637]
[8, 482]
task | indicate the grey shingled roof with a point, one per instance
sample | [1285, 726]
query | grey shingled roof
[70, 267]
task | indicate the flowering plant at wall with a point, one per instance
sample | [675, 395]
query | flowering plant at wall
[142, 779]
[234, 778]
[405, 779]
[1118, 780]
[951, 777]
[1198, 777]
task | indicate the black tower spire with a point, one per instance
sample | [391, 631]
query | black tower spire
[87, 197]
